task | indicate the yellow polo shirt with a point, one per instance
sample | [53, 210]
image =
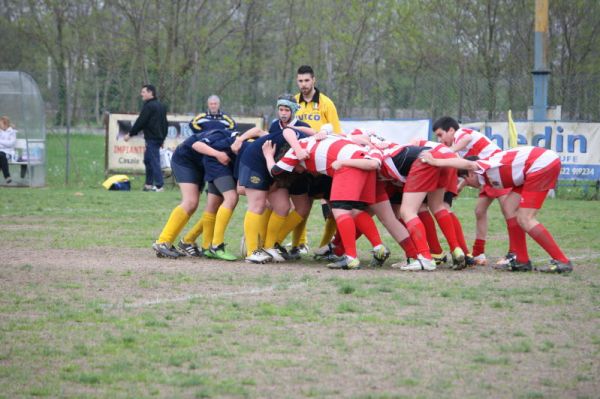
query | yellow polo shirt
[318, 112]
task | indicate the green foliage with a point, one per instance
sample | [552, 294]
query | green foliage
[385, 58]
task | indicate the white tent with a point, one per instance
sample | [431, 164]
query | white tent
[21, 101]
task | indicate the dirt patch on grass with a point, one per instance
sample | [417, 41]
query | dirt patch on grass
[294, 330]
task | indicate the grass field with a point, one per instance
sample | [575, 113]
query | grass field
[87, 310]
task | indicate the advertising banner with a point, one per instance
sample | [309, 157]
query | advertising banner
[398, 131]
[577, 144]
[122, 156]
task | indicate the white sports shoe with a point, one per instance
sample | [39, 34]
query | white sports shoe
[419, 264]
[480, 260]
[258, 256]
[275, 255]
[324, 250]
[303, 249]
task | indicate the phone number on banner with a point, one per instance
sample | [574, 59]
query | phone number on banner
[586, 172]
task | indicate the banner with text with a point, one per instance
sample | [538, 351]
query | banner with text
[398, 131]
[574, 142]
[122, 156]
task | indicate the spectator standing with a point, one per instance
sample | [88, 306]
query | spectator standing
[213, 118]
[153, 121]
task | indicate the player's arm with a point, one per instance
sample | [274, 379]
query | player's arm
[251, 133]
[269, 149]
[205, 149]
[457, 163]
[290, 137]
[306, 130]
[364, 164]
[461, 143]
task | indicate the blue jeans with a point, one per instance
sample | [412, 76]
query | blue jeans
[152, 162]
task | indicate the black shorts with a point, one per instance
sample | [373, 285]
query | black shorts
[319, 186]
[396, 198]
[185, 173]
[221, 185]
[448, 197]
[300, 185]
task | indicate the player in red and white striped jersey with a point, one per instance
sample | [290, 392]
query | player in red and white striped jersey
[531, 172]
[468, 143]
[352, 189]
[447, 220]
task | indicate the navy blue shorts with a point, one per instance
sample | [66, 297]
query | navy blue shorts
[253, 179]
[185, 173]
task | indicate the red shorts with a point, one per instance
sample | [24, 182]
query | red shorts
[452, 183]
[381, 191]
[352, 184]
[537, 184]
[491, 192]
[423, 177]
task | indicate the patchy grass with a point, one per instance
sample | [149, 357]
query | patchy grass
[88, 311]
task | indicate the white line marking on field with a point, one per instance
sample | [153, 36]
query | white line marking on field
[161, 301]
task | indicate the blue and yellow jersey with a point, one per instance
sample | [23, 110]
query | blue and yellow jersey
[318, 112]
[207, 121]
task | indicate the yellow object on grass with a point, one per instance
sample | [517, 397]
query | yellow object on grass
[114, 179]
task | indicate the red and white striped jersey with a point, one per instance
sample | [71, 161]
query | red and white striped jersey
[323, 153]
[479, 145]
[388, 170]
[509, 168]
[431, 144]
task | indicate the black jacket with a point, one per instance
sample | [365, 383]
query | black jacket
[152, 120]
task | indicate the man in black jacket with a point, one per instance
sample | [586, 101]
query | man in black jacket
[153, 121]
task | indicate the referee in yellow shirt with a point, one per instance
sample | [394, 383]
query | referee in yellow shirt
[316, 109]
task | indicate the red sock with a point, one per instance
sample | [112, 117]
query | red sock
[365, 224]
[445, 222]
[347, 229]
[516, 238]
[432, 238]
[458, 231]
[545, 240]
[419, 236]
[409, 248]
[478, 247]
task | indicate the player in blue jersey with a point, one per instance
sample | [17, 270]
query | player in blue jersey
[187, 164]
[258, 183]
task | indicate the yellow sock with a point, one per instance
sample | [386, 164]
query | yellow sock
[291, 221]
[209, 229]
[299, 236]
[221, 223]
[275, 223]
[194, 232]
[251, 231]
[328, 231]
[179, 217]
[263, 223]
